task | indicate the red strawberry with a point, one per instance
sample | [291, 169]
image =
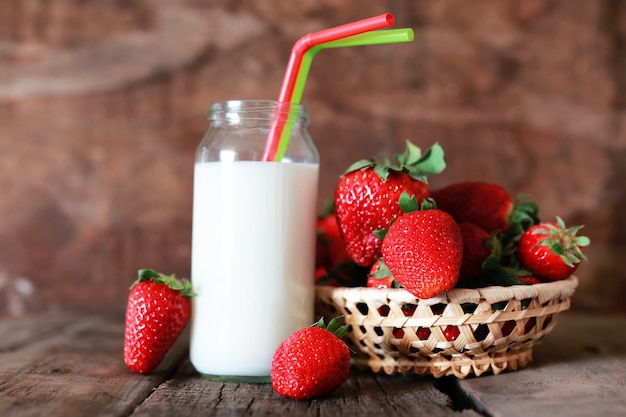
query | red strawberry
[366, 197]
[529, 279]
[475, 249]
[423, 250]
[321, 276]
[487, 205]
[551, 250]
[311, 362]
[331, 250]
[380, 276]
[158, 310]
[321, 252]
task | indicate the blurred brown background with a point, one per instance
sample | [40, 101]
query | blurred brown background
[102, 104]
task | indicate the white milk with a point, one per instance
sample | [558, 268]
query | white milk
[253, 250]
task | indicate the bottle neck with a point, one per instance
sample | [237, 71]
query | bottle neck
[243, 130]
[235, 112]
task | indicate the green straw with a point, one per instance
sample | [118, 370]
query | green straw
[376, 37]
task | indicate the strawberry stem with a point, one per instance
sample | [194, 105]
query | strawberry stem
[417, 165]
[171, 281]
[333, 326]
[563, 241]
[524, 215]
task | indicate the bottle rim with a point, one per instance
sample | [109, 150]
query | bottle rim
[237, 110]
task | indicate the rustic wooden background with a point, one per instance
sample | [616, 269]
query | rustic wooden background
[102, 104]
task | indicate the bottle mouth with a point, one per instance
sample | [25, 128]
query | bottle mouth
[236, 111]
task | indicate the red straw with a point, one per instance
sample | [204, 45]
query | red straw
[297, 52]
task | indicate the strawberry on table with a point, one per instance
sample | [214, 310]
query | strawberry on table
[423, 249]
[312, 362]
[366, 197]
[551, 250]
[487, 205]
[158, 310]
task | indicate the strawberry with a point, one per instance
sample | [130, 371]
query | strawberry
[529, 279]
[321, 252]
[380, 276]
[333, 266]
[312, 362]
[475, 249]
[551, 250]
[158, 310]
[487, 205]
[330, 249]
[423, 250]
[366, 197]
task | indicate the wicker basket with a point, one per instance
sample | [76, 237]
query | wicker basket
[461, 332]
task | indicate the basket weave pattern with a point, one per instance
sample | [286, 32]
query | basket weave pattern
[461, 332]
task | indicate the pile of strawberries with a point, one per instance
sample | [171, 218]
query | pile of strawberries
[389, 229]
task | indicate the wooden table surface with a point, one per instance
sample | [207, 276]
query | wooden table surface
[72, 366]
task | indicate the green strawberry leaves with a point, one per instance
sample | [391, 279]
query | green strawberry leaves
[171, 281]
[494, 277]
[382, 271]
[417, 165]
[564, 242]
[524, 215]
[408, 203]
[334, 326]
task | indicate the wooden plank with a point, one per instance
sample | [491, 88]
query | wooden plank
[579, 370]
[363, 394]
[16, 332]
[75, 368]
[77, 371]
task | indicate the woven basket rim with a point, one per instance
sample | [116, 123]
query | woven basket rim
[544, 292]
[481, 315]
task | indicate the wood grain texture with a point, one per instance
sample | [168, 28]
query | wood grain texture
[72, 366]
[579, 370]
[363, 394]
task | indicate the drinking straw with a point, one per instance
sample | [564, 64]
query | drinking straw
[297, 52]
[376, 37]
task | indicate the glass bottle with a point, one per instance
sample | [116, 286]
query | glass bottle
[253, 238]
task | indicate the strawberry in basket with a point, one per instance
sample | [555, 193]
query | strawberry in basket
[486, 205]
[551, 250]
[366, 197]
[333, 267]
[423, 249]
